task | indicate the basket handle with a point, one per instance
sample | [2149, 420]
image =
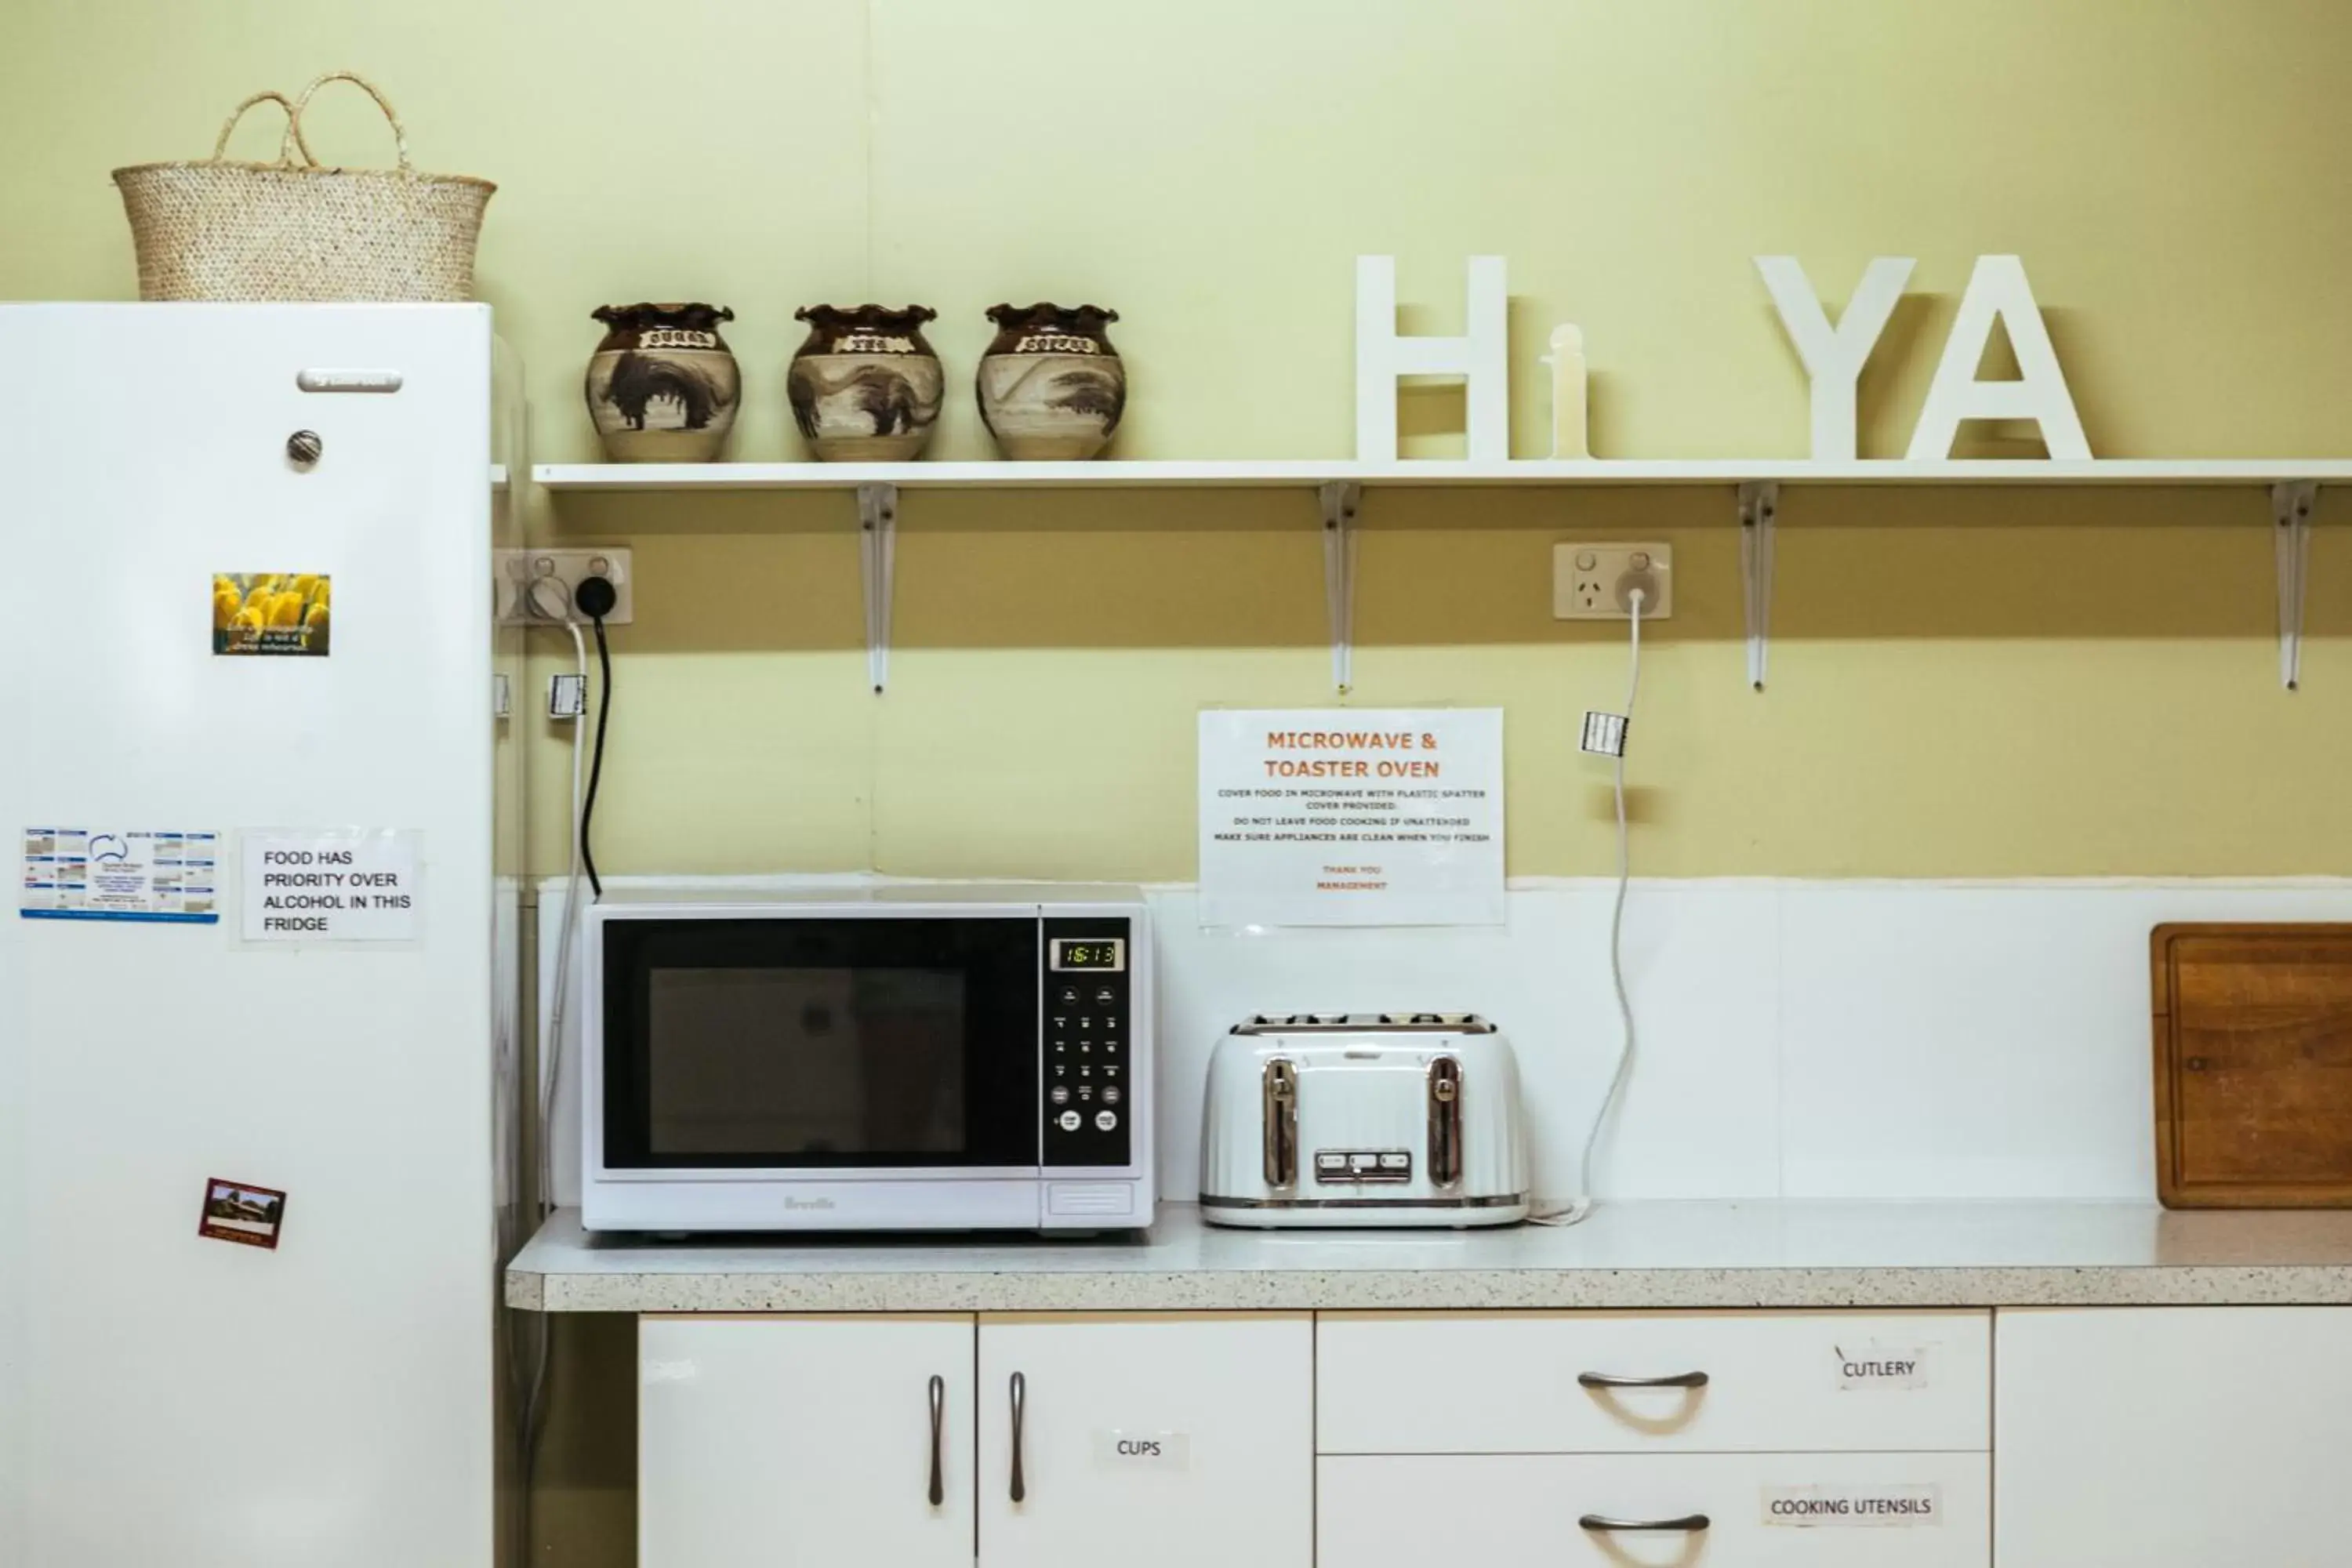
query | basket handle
[294, 118]
[285, 152]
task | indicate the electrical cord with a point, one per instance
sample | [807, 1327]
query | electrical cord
[1580, 1208]
[597, 597]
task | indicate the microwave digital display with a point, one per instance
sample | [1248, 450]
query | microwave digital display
[1108, 954]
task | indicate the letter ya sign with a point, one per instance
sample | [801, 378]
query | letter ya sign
[1833, 356]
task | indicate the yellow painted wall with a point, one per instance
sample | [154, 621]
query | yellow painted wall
[1966, 682]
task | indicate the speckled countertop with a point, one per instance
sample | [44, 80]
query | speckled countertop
[1746, 1254]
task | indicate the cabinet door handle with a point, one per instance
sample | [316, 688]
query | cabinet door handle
[939, 1413]
[1688, 1524]
[1611, 1380]
[1020, 1410]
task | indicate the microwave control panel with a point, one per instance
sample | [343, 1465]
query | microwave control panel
[1089, 984]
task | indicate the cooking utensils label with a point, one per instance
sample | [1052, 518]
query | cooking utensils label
[1876, 1505]
[1875, 1364]
[1118, 1450]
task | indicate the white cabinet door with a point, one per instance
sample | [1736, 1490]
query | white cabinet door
[804, 1442]
[1162, 1441]
[2173, 1437]
[1700, 1510]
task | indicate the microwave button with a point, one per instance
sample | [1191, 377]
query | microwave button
[1061, 1094]
[1085, 1091]
[1110, 1094]
[1105, 997]
[1067, 996]
[1106, 1120]
[1069, 1120]
[1110, 1072]
[1085, 1071]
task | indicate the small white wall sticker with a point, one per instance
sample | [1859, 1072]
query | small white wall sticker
[353, 885]
[1877, 1505]
[1875, 1364]
[1123, 1450]
[119, 874]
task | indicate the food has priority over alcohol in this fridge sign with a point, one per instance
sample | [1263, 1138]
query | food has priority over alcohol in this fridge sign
[1351, 817]
[360, 885]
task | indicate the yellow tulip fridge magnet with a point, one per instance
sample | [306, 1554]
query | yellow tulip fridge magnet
[272, 612]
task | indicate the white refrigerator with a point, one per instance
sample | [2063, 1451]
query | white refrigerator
[247, 758]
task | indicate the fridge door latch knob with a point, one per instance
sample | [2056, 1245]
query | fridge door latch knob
[303, 446]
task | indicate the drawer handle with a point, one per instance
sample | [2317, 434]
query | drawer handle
[939, 1411]
[1020, 1392]
[1688, 1524]
[1611, 1380]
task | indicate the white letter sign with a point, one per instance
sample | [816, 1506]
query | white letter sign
[1833, 356]
[1997, 290]
[1482, 354]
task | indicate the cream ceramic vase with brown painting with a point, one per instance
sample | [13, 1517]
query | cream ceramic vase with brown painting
[662, 386]
[1051, 386]
[864, 386]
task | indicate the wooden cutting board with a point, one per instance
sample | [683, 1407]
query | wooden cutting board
[2253, 1066]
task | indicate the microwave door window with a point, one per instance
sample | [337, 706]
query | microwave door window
[803, 1064]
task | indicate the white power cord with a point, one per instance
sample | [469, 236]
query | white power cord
[1580, 1209]
[550, 1059]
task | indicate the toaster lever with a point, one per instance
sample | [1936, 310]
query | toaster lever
[1445, 1121]
[1279, 1113]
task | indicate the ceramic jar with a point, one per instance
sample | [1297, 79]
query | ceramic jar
[662, 386]
[1051, 386]
[865, 386]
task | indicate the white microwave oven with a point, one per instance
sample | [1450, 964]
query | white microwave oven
[946, 1057]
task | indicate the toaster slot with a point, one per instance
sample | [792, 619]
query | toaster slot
[1445, 1121]
[1279, 1115]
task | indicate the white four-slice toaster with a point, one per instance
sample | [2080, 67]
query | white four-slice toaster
[1364, 1119]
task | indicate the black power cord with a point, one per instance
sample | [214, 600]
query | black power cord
[594, 598]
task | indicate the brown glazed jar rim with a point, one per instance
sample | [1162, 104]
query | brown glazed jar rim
[1070, 317]
[638, 314]
[902, 318]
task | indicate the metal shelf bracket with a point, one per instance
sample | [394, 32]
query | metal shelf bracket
[1759, 504]
[878, 535]
[1340, 498]
[2290, 508]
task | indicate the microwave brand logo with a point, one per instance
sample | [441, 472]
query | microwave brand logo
[791, 1203]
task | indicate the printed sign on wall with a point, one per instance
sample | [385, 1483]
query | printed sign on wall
[272, 612]
[355, 885]
[1352, 818]
[119, 874]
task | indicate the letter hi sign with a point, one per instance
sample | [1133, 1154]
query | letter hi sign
[1833, 356]
[1482, 356]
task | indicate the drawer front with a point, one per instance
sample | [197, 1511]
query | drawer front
[1523, 1383]
[1523, 1510]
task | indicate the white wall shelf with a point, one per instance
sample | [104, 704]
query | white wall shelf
[1338, 484]
[1313, 473]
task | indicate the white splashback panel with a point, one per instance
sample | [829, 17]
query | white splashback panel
[169, 1399]
[1854, 1039]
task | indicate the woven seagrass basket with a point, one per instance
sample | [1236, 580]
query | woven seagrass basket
[216, 229]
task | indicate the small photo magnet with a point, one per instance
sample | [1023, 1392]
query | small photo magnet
[272, 612]
[242, 1213]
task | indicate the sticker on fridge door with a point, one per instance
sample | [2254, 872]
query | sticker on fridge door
[1875, 1365]
[243, 1212]
[348, 885]
[1877, 1505]
[119, 874]
[272, 612]
[1122, 1450]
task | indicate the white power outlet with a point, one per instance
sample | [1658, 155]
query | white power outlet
[518, 571]
[1595, 582]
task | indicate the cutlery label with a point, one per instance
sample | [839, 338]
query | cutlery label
[1876, 1365]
